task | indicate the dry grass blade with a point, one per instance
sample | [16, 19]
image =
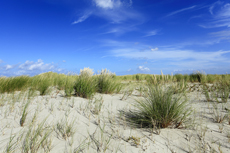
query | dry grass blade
[24, 113]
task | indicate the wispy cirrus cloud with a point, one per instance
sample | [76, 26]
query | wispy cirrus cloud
[181, 10]
[83, 18]
[170, 54]
[178, 58]
[1, 61]
[152, 33]
[219, 15]
[224, 34]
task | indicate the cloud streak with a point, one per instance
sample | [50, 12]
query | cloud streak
[181, 10]
[83, 18]
[219, 15]
[170, 54]
[152, 33]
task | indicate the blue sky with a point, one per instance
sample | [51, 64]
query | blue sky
[124, 36]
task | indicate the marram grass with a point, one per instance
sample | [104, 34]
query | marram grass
[160, 108]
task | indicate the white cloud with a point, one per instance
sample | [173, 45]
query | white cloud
[144, 69]
[39, 65]
[29, 68]
[26, 64]
[7, 67]
[1, 61]
[117, 11]
[154, 49]
[152, 33]
[181, 10]
[107, 4]
[83, 18]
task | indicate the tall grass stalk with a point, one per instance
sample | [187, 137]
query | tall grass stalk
[24, 113]
[69, 86]
[11, 146]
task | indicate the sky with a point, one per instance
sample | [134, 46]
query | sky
[123, 36]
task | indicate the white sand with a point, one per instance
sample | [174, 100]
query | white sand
[117, 135]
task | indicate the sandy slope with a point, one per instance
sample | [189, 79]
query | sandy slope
[108, 132]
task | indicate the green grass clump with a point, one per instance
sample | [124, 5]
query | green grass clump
[178, 77]
[106, 83]
[69, 86]
[14, 84]
[197, 77]
[41, 84]
[85, 86]
[160, 108]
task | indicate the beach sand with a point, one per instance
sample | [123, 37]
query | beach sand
[106, 130]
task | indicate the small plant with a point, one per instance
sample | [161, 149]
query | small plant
[35, 138]
[97, 105]
[127, 93]
[221, 127]
[209, 96]
[11, 146]
[65, 129]
[24, 113]
[135, 140]
[224, 91]
[160, 106]
[142, 90]
[218, 116]
[102, 142]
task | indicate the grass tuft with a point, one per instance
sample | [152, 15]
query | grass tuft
[106, 83]
[85, 86]
[160, 108]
